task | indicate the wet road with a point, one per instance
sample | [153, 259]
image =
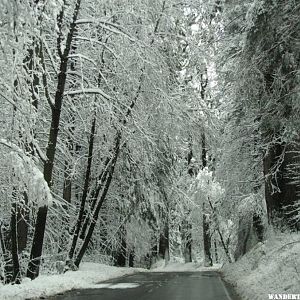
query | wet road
[156, 286]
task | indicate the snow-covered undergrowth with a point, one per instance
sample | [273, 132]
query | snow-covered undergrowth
[87, 276]
[272, 267]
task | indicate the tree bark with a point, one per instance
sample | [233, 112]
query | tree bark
[207, 241]
[131, 258]
[16, 276]
[216, 251]
[121, 251]
[258, 227]
[154, 252]
[281, 193]
[277, 95]
[85, 189]
[38, 238]
[186, 237]
[100, 202]
[95, 194]
[164, 247]
[205, 217]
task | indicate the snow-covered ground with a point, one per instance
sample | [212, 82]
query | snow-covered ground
[161, 266]
[272, 267]
[87, 276]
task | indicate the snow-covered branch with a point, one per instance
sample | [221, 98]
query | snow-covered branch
[81, 56]
[29, 175]
[112, 27]
[95, 91]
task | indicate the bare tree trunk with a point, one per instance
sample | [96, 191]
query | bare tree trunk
[67, 196]
[216, 251]
[22, 223]
[85, 189]
[100, 202]
[186, 237]
[154, 252]
[16, 277]
[164, 247]
[207, 241]
[131, 258]
[18, 222]
[186, 226]
[17, 238]
[38, 239]
[205, 216]
[2, 243]
[67, 186]
[105, 179]
[121, 251]
[94, 195]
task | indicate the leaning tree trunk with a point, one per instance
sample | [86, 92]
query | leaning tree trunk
[105, 179]
[100, 202]
[80, 218]
[39, 232]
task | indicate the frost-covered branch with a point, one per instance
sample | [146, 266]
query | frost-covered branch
[95, 91]
[45, 81]
[111, 27]
[81, 56]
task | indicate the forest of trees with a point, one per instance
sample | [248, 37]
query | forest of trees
[139, 130]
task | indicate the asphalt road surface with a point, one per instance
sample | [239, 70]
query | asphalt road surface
[156, 286]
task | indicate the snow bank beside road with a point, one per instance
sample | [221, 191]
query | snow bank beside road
[160, 266]
[272, 267]
[86, 277]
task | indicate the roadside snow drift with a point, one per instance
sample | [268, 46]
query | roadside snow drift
[161, 266]
[87, 276]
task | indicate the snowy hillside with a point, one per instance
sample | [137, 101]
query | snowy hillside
[272, 267]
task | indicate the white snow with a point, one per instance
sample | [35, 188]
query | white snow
[161, 266]
[272, 267]
[28, 175]
[88, 275]
[121, 285]
[88, 91]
